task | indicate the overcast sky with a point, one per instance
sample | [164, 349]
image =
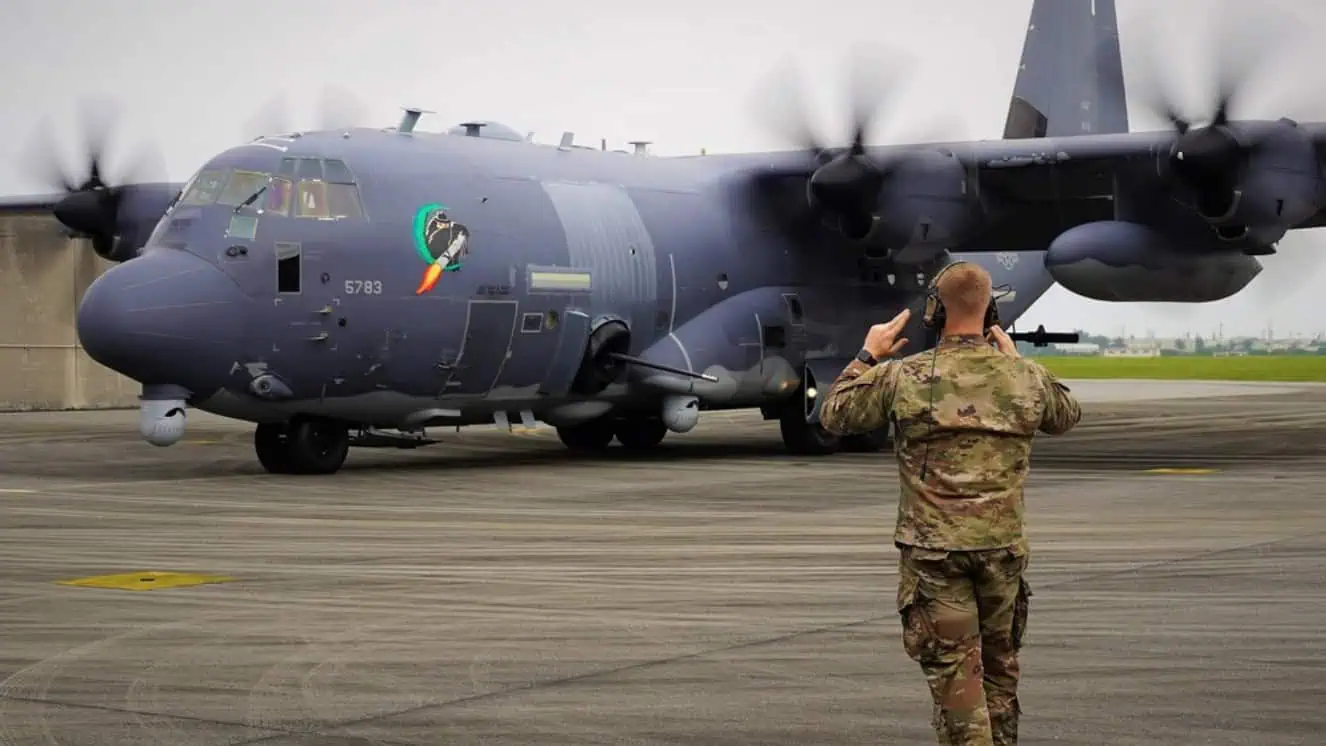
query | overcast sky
[189, 79]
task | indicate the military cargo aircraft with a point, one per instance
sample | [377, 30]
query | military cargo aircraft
[357, 286]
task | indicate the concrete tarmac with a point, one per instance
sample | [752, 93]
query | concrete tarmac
[498, 590]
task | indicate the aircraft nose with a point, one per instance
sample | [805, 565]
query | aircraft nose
[165, 317]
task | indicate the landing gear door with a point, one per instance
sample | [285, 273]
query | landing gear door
[569, 354]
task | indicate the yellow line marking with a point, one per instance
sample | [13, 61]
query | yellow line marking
[145, 581]
[1175, 470]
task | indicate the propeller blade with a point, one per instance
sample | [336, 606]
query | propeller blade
[781, 108]
[335, 109]
[842, 180]
[271, 118]
[874, 75]
[340, 109]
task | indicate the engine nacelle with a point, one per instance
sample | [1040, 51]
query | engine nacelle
[1123, 262]
[141, 210]
[1271, 182]
[929, 200]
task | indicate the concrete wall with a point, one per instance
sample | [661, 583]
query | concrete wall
[43, 275]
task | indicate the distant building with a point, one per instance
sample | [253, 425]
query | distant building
[1079, 348]
[1136, 348]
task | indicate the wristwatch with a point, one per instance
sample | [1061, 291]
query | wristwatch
[865, 357]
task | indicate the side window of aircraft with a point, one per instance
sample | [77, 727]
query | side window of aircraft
[205, 188]
[241, 186]
[288, 168]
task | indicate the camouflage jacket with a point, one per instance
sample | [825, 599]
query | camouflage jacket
[964, 417]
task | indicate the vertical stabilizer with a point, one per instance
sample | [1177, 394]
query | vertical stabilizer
[1069, 82]
[1070, 78]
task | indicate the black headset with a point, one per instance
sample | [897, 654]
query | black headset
[934, 316]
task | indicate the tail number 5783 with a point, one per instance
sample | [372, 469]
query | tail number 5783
[363, 287]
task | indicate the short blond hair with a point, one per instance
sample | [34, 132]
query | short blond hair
[965, 290]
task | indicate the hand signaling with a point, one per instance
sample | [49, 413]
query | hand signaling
[882, 340]
[1000, 339]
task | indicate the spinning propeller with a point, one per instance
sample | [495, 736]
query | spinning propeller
[845, 183]
[336, 109]
[1215, 156]
[102, 208]
[94, 205]
[1208, 157]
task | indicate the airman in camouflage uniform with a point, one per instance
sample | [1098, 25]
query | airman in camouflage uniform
[964, 416]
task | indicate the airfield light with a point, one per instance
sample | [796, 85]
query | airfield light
[811, 392]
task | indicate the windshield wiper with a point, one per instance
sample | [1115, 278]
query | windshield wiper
[251, 199]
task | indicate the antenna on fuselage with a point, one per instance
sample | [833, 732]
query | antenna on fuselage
[472, 128]
[640, 146]
[410, 119]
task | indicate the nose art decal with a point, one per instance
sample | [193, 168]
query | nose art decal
[441, 242]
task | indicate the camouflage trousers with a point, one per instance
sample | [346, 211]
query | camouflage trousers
[963, 616]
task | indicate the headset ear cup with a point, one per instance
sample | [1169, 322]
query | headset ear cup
[933, 317]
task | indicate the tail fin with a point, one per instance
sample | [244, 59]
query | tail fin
[1056, 93]
[1060, 91]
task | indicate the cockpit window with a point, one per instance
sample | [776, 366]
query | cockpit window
[336, 172]
[343, 201]
[309, 168]
[278, 197]
[313, 199]
[326, 190]
[205, 188]
[241, 186]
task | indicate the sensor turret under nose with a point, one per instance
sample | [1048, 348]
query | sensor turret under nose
[161, 414]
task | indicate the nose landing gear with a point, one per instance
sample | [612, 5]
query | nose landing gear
[305, 445]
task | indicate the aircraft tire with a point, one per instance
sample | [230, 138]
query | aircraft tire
[594, 435]
[871, 442]
[317, 446]
[273, 448]
[640, 433]
[803, 438]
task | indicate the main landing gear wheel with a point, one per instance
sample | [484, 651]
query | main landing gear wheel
[302, 446]
[804, 438]
[640, 433]
[594, 435]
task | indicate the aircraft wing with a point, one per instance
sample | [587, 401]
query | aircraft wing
[1046, 186]
[29, 203]
[1040, 186]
